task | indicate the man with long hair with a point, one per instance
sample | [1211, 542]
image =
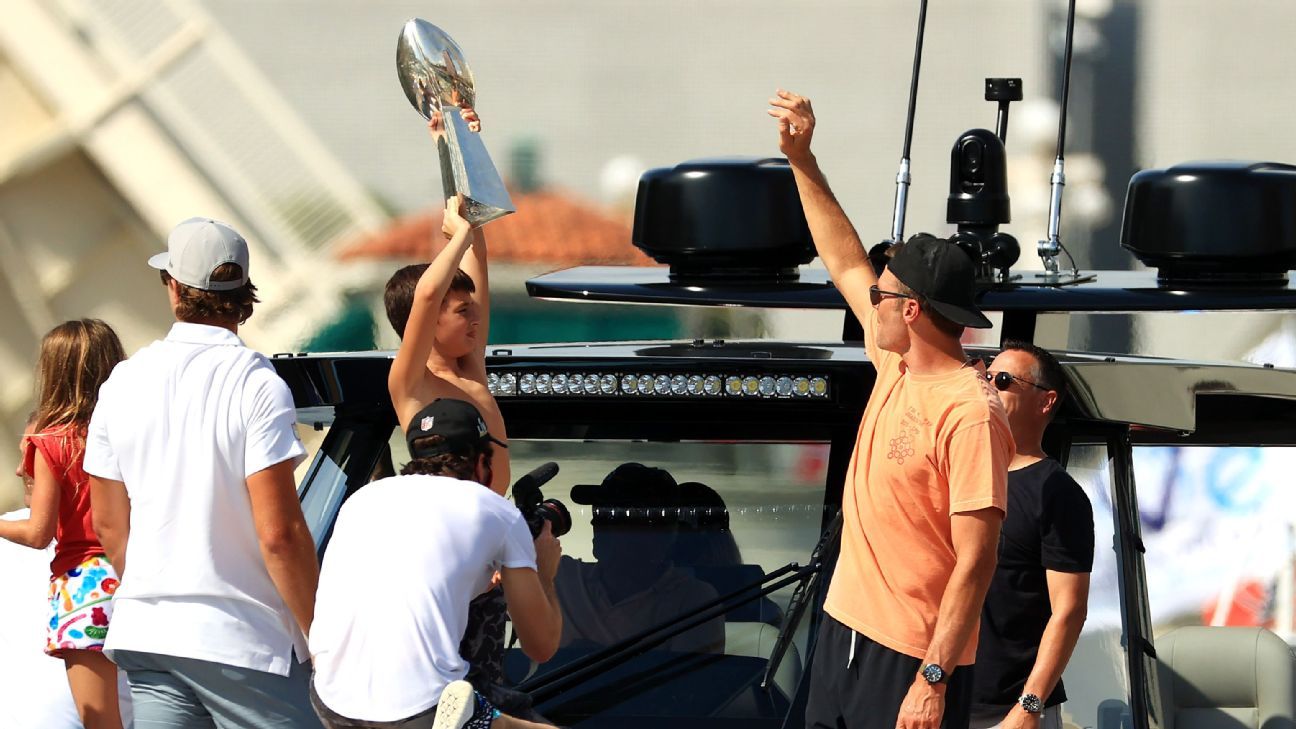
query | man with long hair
[391, 609]
[191, 452]
[925, 491]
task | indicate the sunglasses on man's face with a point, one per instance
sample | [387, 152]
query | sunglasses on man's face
[876, 295]
[1004, 380]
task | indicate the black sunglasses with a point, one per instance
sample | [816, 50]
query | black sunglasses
[876, 295]
[1003, 380]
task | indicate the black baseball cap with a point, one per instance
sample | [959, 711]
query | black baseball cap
[457, 421]
[943, 275]
[631, 485]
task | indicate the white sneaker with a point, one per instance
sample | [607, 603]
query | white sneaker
[456, 705]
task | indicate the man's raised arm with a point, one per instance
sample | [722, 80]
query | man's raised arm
[834, 237]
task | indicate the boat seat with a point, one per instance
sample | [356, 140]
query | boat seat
[1225, 678]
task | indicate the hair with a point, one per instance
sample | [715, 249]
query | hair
[1048, 370]
[75, 358]
[398, 297]
[461, 464]
[198, 305]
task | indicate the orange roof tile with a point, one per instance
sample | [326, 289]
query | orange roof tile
[549, 228]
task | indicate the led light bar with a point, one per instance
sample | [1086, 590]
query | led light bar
[688, 385]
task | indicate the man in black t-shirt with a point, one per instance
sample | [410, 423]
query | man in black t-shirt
[1037, 599]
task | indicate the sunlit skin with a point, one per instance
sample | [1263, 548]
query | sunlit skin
[1029, 408]
[893, 312]
[447, 358]
[457, 326]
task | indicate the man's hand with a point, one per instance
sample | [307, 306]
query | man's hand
[1019, 718]
[452, 223]
[922, 707]
[796, 124]
[548, 551]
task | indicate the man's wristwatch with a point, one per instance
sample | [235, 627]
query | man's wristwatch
[933, 674]
[1031, 704]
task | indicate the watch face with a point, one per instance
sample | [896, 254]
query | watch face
[1031, 703]
[933, 673]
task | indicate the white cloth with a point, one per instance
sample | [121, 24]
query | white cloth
[183, 423]
[407, 555]
[35, 691]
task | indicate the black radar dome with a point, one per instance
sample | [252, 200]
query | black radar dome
[723, 218]
[1213, 222]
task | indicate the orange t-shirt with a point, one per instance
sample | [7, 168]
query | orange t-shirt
[929, 446]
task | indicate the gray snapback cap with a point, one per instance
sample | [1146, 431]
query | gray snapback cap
[196, 248]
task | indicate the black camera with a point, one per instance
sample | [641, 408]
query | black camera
[535, 508]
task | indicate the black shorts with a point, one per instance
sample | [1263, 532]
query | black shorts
[868, 693]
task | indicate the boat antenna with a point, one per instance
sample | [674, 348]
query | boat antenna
[1048, 249]
[902, 177]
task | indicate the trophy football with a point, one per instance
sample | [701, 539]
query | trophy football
[438, 83]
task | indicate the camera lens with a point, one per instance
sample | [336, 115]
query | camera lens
[555, 512]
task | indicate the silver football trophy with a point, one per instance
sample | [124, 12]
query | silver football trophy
[438, 83]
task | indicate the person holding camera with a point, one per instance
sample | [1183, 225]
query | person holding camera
[390, 611]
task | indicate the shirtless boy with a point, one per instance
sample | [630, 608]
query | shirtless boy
[442, 314]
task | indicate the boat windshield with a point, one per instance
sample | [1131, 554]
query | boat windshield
[647, 550]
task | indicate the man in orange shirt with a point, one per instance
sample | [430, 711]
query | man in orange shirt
[925, 491]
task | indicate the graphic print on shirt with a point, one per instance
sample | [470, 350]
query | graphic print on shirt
[902, 444]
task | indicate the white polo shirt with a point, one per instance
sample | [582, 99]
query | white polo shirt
[408, 554]
[183, 423]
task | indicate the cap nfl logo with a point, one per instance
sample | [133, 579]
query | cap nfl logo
[481, 428]
[426, 423]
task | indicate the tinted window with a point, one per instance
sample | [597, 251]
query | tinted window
[636, 561]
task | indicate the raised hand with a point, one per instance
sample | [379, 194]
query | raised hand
[453, 223]
[796, 124]
[548, 551]
[469, 115]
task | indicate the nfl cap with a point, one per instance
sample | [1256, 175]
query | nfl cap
[196, 248]
[942, 274]
[457, 421]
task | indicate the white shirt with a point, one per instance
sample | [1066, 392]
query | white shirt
[183, 423]
[408, 554]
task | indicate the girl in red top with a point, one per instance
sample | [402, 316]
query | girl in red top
[75, 359]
